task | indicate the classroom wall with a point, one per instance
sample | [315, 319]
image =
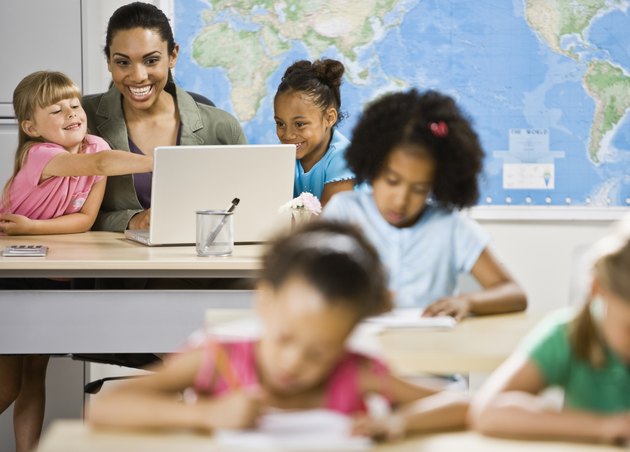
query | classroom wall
[541, 255]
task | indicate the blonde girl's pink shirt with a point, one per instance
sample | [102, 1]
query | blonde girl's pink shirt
[55, 196]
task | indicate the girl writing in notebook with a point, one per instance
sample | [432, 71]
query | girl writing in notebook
[57, 187]
[422, 158]
[584, 351]
[316, 285]
[306, 110]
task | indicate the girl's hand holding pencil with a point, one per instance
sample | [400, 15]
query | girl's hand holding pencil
[389, 428]
[240, 407]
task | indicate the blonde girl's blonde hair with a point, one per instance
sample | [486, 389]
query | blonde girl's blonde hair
[39, 89]
[610, 259]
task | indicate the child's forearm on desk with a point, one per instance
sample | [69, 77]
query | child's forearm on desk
[503, 298]
[138, 410]
[442, 411]
[523, 415]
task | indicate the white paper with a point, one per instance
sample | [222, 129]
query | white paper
[411, 318]
[297, 430]
[250, 327]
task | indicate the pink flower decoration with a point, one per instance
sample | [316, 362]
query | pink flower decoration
[303, 206]
[310, 203]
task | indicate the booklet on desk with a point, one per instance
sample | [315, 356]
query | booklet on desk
[296, 430]
[249, 326]
[411, 318]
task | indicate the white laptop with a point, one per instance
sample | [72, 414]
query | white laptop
[191, 178]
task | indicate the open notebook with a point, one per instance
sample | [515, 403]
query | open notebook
[296, 430]
[248, 326]
[411, 318]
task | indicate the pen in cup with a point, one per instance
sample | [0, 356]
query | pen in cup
[213, 234]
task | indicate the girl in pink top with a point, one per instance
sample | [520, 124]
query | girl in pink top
[58, 184]
[57, 187]
[316, 285]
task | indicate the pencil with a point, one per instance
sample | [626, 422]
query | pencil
[223, 366]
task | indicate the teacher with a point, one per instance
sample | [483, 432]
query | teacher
[144, 108]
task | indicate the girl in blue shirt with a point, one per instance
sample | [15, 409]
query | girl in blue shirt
[306, 110]
[422, 158]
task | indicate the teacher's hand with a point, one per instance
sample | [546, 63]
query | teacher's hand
[457, 307]
[140, 220]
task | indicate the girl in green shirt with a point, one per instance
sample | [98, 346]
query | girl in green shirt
[584, 352]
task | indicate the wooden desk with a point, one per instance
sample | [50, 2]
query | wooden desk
[74, 436]
[59, 322]
[110, 255]
[477, 344]
[158, 321]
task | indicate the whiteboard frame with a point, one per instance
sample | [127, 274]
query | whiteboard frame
[547, 213]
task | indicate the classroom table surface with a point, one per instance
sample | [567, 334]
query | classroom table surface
[109, 254]
[157, 321]
[75, 436]
[476, 344]
[108, 321]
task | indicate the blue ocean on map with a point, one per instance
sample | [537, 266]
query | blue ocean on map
[501, 73]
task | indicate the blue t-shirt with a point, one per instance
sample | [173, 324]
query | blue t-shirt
[423, 260]
[331, 168]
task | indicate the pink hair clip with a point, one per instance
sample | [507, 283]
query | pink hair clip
[438, 129]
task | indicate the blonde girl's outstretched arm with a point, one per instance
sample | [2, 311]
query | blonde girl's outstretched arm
[499, 293]
[104, 163]
[509, 404]
[155, 401]
[81, 221]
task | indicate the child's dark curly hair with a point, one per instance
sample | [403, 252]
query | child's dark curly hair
[432, 123]
[337, 259]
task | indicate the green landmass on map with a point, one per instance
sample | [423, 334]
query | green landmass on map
[250, 57]
[610, 88]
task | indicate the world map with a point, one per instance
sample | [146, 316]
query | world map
[546, 83]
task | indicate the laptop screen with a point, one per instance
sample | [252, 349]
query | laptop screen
[191, 178]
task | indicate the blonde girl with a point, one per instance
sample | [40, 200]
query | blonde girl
[58, 184]
[57, 187]
[586, 353]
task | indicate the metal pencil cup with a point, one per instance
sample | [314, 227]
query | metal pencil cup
[215, 233]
